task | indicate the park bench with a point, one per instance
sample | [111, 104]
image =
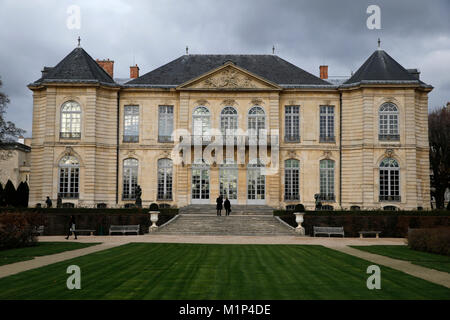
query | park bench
[91, 232]
[125, 229]
[362, 233]
[39, 230]
[329, 230]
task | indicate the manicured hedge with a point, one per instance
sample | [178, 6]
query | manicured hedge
[392, 225]
[75, 211]
[19, 230]
[368, 213]
[436, 240]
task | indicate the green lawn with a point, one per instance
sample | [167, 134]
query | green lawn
[41, 249]
[204, 271]
[425, 259]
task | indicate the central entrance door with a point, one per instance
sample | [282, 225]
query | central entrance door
[200, 184]
[228, 180]
[256, 184]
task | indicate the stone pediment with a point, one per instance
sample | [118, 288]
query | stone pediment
[229, 77]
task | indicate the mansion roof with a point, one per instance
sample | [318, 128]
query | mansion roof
[79, 67]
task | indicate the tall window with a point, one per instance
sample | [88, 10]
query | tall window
[327, 180]
[292, 124]
[326, 124]
[291, 179]
[256, 120]
[388, 122]
[164, 179]
[165, 127]
[389, 180]
[228, 121]
[131, 124]
[130, 178]
[201, 124]
[69, 171]
[70, 120]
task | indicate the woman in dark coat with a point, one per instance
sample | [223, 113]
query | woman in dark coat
[219, 202]
[227, 206]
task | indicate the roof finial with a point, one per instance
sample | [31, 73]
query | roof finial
[187, 50]
[273, 49]
[379, 44]
[79, 41]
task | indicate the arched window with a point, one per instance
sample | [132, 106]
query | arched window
[164, 179]
[256, 120]
[201, 121]
[389, 180]
[130, 178]
[70, 120]
[327, 180]
[69, 171]
[291, 179]
[228, 121]
[388, 118]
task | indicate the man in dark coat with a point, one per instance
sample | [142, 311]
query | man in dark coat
[72, 227]
[48, 202]
[219, 202]
[227, 206]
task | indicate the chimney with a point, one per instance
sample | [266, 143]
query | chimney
[107, 65]
[323, 72]
[134, 72]
[415, 73]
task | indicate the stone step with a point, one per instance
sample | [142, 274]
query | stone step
[191, 224]
[235, 209]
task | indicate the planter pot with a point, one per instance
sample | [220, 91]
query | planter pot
[299, 219]
[153, 218]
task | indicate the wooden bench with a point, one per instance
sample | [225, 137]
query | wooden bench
[362, 233]
[329, 230]
[39, 230]
[125, 229]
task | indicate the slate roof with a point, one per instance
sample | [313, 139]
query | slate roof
[188, 67]
[381, 68]
[77, 67]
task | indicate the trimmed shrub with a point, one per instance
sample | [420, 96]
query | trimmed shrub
[433, 240]
[22, 195]
[10, 194]
[18, 229]
[299, 208]
[154, 207]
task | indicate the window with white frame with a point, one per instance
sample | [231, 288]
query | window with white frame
[69, 172]
[201, 122]
[291, 180]
[131, 124]
[164, 179]
[70, 120]
[292, 124]
[256, 120]
[327, 180]
[165, 124]
[130, 178]
[327, 124]
[228, 121]
[388, 122]
[389, 180]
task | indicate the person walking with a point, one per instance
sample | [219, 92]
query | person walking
[48, 202]
[219, 202]
[227, 206]
[72, 227]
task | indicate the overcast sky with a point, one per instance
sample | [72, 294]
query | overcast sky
[34, 33]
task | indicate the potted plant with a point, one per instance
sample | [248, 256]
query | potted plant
[154, 213]
[299, 212]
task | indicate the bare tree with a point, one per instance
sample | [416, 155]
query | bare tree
[8, 130]
[439, 135]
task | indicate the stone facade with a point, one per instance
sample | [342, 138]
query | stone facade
[15, 162]
[356, 149]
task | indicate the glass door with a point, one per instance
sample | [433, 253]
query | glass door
[256, 184]
[228, 180]
[200, 184]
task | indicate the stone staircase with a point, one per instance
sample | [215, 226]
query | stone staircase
[239, 225]
[210, 209]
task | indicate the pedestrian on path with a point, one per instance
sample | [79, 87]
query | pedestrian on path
[72, 227]
[219, 202]
[227, 206]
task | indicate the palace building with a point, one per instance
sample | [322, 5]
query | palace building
[361, 142]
